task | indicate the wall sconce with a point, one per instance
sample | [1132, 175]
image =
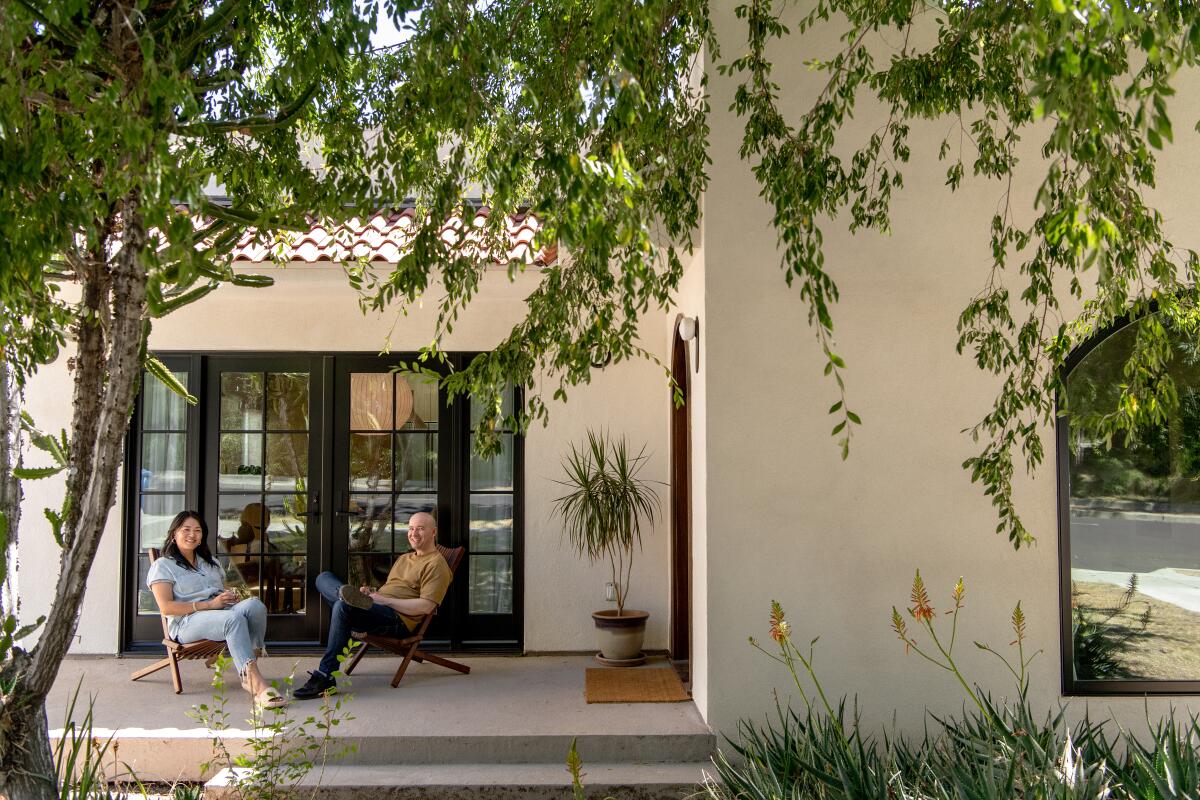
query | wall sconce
[689, 330]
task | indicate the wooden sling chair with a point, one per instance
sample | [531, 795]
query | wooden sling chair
[409, 648]
[204, 649]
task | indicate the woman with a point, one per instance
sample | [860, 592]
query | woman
[188, 586]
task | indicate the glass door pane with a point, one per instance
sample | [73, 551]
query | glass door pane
[398, 448]
[392, 473]
[263, 481]
[490, 484]
[158, 483]
[490, 493]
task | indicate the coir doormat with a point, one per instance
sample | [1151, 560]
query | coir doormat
[636, 685]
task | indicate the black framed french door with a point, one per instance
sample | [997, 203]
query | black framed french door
[262, 482]
[307, 462]
[399, 448]
[162, 452]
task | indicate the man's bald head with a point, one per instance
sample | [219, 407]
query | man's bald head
[422, 532]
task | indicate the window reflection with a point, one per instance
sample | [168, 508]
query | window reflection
[1134, 525]
[265, 552]
[262, 525]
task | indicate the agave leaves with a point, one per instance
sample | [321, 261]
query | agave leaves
[991, 751]
[1007, 751]
[606, 504]
[1102, 637]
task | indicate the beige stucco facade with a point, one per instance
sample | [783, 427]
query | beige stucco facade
[837, 542]
[776, 513]
[312, 308]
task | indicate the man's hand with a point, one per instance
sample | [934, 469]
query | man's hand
[414, 607]
[368, 590]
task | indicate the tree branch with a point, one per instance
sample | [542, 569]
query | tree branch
[206, 28]
[217, 80]
[249, 219]
[71, 38]
[167, 19]
[89, 371]
[255, 123]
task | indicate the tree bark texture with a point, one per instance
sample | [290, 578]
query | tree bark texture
[111, 339]
[32, 775]
[10, 487]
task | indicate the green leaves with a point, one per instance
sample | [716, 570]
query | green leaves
[606, 504]
[165, 376]
[1090, 80]
[34, 473]
[56, 448]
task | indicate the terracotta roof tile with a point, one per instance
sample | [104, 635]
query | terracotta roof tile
[385, 236]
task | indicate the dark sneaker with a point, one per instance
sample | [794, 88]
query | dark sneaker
[317, 685]
[353, 597]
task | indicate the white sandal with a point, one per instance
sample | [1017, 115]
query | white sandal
[269, 698]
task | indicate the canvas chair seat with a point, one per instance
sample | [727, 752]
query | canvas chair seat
[205, 649]
[409, 647]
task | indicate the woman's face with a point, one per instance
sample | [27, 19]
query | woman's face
[189, 535]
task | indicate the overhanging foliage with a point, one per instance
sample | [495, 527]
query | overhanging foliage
[1090, 81]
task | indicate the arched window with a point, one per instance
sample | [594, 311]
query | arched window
[1129, 518]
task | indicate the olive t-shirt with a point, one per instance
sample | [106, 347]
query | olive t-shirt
[414, 576]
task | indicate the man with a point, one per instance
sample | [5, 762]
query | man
[414, 588]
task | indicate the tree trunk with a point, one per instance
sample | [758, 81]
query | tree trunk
[100, 418]
[10, 487]
[29, 773]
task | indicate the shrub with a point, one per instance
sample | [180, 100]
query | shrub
[283, 750]
[1100, 639]
[80, 759]
[993, 750]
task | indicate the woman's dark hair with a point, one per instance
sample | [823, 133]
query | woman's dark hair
[171, 550]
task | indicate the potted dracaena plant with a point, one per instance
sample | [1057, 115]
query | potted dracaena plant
[603, 511]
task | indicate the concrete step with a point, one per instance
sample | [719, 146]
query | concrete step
[153, 756]
[529, 749]
[551, 781]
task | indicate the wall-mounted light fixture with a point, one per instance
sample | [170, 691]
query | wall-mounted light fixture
[689, 330]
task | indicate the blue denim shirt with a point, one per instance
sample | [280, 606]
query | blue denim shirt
[190, 585]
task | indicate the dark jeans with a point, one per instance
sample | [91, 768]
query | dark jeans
[348, 619]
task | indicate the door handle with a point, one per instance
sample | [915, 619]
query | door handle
[343, 500]
[314, 507]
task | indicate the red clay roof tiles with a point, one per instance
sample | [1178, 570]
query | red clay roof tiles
[386, 236]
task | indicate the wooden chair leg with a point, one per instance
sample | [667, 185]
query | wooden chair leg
[150, 670]
[403, 666]
[421, 655]
[176, 678]
[359, 652]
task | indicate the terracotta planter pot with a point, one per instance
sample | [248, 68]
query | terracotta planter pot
[620, 638]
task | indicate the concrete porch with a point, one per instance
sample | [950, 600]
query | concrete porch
[504, 728]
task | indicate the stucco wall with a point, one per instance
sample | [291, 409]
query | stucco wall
[311, 308]
[48, 398]
[837, 542]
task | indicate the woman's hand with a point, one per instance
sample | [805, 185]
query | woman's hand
[225, 599]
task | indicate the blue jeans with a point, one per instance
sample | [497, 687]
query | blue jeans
[242, 627]
[347, 619]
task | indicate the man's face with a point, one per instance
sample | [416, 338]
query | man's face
[421, 532]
